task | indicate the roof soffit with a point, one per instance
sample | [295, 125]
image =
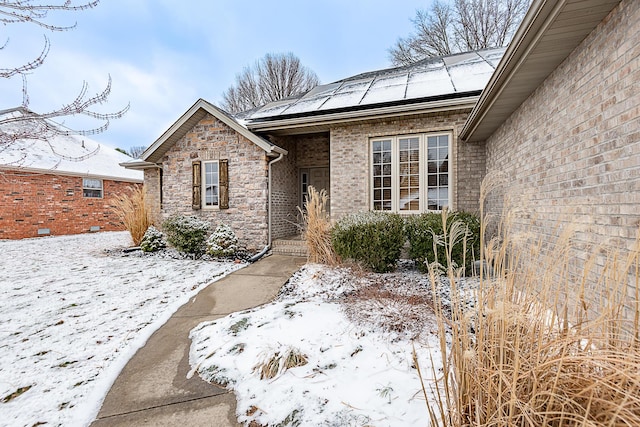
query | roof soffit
[550, 31]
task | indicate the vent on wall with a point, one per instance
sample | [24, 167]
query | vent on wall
[43, 231]
[94, 228]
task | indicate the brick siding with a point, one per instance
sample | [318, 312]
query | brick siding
[284, 180]
[211, 139]
[33, 201]
[350, 186]
[571, 153]
[305, 151]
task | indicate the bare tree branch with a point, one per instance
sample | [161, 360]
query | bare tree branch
[274, 77]
[22, 123]
[458, 26]
[17, 11]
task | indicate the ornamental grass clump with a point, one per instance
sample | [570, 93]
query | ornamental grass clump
[374, 239]
[317, 228]
[427, 240]
[274, 364]
[545, 345]
[132, 210]
[222, 242]
[188, 234]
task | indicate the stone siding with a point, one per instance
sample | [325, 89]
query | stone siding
[349, 158]
[211, 139]
[571, 153]
[152, 188]
[33, 201]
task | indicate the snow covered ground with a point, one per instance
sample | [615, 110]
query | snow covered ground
[349, 339]
[71, 316]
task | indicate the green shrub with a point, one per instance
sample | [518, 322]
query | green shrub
[222, 242]
[374, 239]
[152, 240]
[423, 229]
[187, 234]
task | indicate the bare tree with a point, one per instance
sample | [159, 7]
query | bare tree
[22, 123]
[459, 26]
[135, 151]
[274, 77]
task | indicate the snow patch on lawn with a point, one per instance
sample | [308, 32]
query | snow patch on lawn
[356, 373]
[71, 317]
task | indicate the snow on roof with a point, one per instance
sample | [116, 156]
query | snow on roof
[63, 154]
[443, 76]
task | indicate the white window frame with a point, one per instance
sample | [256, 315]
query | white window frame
[204, 185]
[423, 161]
[87, 186]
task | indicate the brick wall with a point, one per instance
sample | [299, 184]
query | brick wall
[211, 139]
[312, 150]
[349, 157]
[284, 180]
[304, 151]
[32, 201]
[571, 153]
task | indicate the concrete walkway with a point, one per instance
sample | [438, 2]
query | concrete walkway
[153, 389]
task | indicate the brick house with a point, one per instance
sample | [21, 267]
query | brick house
[558, 119]
[385, 140]
[560, 122]
[60, 186]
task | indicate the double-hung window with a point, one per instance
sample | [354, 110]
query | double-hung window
[410, 174]
[211, 182]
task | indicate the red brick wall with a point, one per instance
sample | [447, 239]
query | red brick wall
[31, 201]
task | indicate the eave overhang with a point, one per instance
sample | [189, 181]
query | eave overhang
[549, 32]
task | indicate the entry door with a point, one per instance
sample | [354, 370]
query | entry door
[319, 178]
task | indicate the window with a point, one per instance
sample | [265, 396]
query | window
[410, 173]
[92, 188]
[211, 181]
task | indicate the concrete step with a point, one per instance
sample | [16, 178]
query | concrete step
[291, 247]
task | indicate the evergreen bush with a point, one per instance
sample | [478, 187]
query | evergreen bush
[152, 240]
[187, 234]
[374, 239]
[423, 230]
[222, 242]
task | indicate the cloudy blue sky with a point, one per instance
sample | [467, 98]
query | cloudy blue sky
[163, 55]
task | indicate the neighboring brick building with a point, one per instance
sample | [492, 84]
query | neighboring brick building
[384, 140]
[60, 186]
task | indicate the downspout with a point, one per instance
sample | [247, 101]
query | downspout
[266, 248]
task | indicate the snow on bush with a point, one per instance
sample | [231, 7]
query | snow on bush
[187, 234]
[153, 240]
[222, 242]
[374, 239]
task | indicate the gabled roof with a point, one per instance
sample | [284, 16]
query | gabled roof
[185, 123]
[433, 79]
[549, 32]
[60, 152]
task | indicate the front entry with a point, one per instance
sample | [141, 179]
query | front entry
[319, 178]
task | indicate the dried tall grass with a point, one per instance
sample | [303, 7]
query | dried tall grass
[540, 348]
[131, 208]
[317, 228]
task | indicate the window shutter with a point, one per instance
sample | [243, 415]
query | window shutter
[224, 183]
[196, 203]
